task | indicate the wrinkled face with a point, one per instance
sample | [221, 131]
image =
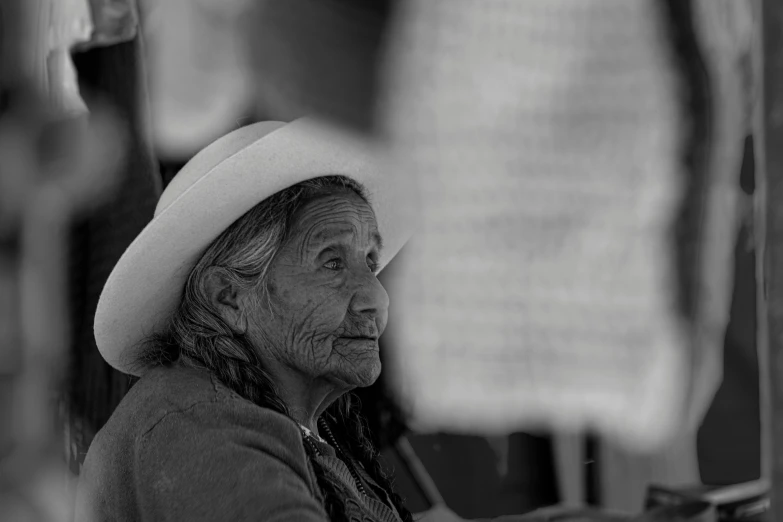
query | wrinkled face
[326, 308]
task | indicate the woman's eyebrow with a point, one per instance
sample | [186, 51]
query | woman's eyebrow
[325, 237]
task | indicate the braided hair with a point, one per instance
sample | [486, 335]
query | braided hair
[197, 336]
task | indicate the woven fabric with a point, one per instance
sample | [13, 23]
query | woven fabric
[547, 285]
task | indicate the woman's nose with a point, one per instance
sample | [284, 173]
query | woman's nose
[370, 297]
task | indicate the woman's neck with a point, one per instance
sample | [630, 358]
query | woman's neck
[306, 399]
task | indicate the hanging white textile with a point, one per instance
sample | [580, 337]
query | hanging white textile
[541, 290]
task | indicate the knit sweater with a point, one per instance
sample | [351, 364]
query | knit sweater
[182, 446]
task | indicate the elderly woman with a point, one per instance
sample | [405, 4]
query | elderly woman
[250, 306]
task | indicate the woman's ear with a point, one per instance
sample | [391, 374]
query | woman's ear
[225, 297]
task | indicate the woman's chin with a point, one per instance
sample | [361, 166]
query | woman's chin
[361, 375]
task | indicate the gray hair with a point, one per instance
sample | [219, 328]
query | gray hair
[196, 334]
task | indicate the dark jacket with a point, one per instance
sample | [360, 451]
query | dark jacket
[182, 446]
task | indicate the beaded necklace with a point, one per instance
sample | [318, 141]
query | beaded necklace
[308, 436]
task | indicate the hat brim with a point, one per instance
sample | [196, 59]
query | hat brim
[222, 184]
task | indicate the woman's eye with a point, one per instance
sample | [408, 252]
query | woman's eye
[334, 264]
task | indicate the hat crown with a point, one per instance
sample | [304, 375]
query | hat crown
[211, 156]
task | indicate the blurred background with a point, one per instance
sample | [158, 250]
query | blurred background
[105, 100]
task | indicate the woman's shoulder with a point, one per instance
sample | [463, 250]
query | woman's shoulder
[181, 432]
[191, 402]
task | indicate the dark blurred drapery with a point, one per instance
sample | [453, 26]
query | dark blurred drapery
[729, 442]
[320, 56]
[771, 187]
[113, 74]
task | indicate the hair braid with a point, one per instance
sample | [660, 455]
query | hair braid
[332, 491]
[352, 428]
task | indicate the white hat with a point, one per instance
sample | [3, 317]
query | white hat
[215, 188]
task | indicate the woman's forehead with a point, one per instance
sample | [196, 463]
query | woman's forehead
[336, 216]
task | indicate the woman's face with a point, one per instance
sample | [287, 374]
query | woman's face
[326, 308]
